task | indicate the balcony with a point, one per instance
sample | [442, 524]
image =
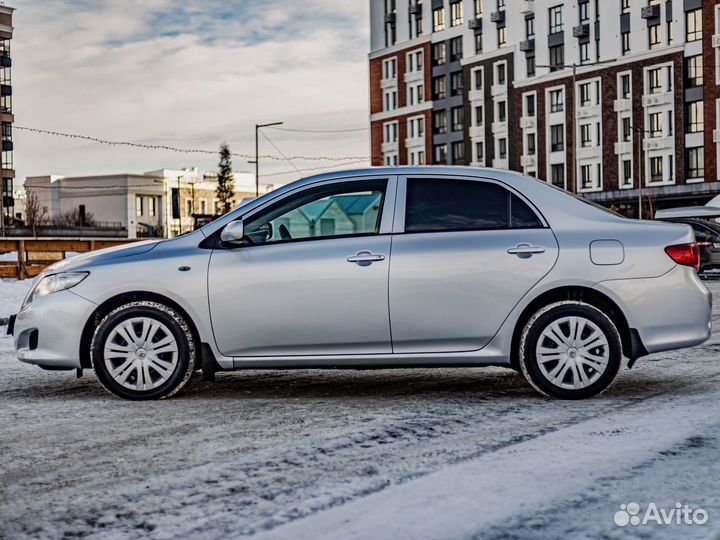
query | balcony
[650, 12]
[620, 105]
[476, 95]
[528, 122]
[581, 30]
[499, 128]
[498, 90]
[528, 45]
[623, 148]
[476, 132]
[475, 24]
[716, 40]
[528, 160]
[651, 100]
[416, 9]
[527, 7]
[390, 18]
[498, 16]
[658, 143]
[716, 136]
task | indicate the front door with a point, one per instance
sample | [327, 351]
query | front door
[311, 277]
[469, 252]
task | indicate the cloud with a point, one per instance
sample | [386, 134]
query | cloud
[187, 73]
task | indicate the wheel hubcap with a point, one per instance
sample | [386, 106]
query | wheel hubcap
[141, 353]
[572, 352]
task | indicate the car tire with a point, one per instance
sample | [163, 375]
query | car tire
[143, 350]
[570, 350]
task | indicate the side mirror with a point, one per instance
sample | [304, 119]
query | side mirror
[233, 233]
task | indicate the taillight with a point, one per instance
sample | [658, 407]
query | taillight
[687, 254]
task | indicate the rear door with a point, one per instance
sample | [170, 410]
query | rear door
[464, 253]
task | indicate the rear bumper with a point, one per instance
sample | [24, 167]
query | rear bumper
[47, 331]
[672, 311]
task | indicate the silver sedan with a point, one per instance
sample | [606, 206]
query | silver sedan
[388, 267]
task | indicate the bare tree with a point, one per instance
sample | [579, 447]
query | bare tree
[35, 213]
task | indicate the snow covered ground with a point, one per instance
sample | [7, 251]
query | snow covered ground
[451, 453]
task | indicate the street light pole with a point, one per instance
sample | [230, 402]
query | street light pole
[257, 157]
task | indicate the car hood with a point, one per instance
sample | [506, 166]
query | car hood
[102, 255]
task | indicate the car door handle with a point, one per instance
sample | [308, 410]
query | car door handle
[525, 249]
[364, 258]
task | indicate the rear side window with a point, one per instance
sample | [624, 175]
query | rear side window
[462, 205]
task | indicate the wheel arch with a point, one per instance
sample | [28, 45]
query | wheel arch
[579, 294]
[118, 300]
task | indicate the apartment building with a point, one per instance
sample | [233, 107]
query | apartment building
[160, 203]
[7, 168]
[615, 100]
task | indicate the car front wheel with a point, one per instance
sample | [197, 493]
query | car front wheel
[143, 350]
[570, 350]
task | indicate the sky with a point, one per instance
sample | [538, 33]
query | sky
[190, 74]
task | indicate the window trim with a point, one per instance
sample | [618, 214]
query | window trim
[401, 200]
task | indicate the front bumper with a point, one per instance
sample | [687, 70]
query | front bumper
[47, 332]
[672, 311]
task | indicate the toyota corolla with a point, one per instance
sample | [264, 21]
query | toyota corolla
[388, 267]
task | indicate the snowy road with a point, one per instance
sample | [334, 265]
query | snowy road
[456, 453]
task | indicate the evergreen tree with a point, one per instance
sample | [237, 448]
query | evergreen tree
[225, 181]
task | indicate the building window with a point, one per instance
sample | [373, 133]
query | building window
[626, 173]
[529, 27]
[479, 152]
[585, 136]
[456, 83]
[656, 125]
[439, 53]
[500, 4]
[458, 152]
[416, 93]
[456, 48]
[502, 148]
[556, 19]
[438, 19]
[500, 73]
[626, 129]
[557, 57]
[625, 86]
[189, 207]
[390, 100]
[584, 51]
[456, 13]
[390, 68]
[152, 206]
[440, 122]
[390, 28]
[416, 21]
[415, 61]
[391, 159]
[557, 138]
[695, 118]
[478, 4]
[478, 79]
[585, 176]
[479, 115]
[530, 65]
[502, 36]
[458, 118]
[694, 68]
[584, 11]
[557, 101]
[585, 94]
[656, 169]
[416, 127]
[530, 140]
[655, 81]
[670, 32]
[440, 154]
[624, 6]
[391, 132]
[625, 42]
[478, 43]
[654, 36]
[530, 105]
[695, 162]
[440, 87]
[557, 175]
[138, 206]
[501, 111]
[693, 25]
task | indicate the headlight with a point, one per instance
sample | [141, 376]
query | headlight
[55, 283]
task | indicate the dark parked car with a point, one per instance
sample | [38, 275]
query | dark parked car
[707, 234]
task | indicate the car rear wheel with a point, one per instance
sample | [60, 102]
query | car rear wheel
[143, 350]
[570, 350]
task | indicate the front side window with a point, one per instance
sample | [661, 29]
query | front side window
[462, 205]
[321, 212]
